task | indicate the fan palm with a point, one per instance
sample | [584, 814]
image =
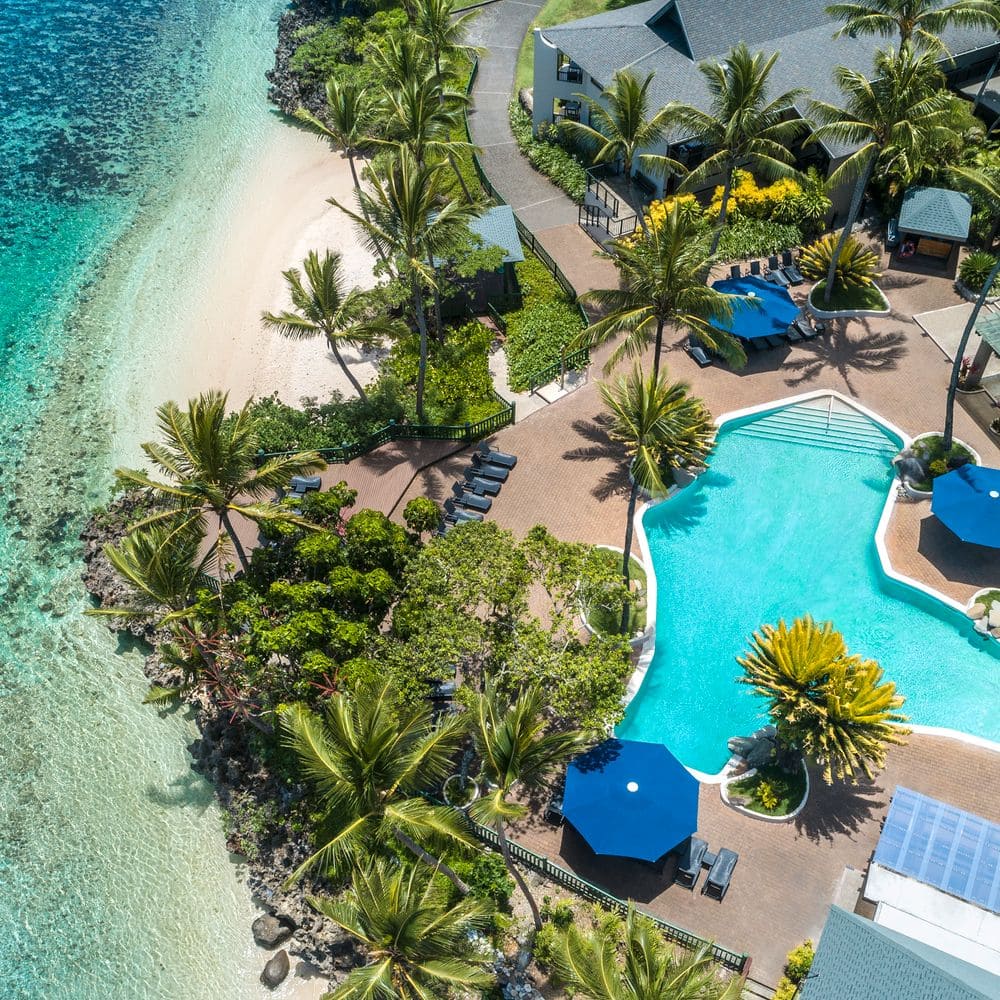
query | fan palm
[660, 424]
[663, 273]
[208, 460]
[370, 761]
[743, 128]
[323, 308]
[598, 965]
[887, 122]
[918, 21]
[829, 703]
[517, 749]
[403, 216]
[443, 30]
[418, 944]
[621, 125]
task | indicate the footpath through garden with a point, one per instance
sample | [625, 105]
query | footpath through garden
[551, 215]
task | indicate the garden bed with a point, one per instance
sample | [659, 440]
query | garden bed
[863, 300]
[930, 448]
[788, 792]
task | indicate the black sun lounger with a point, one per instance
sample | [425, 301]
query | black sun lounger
[488, 470]
[456, 515]
[698, 353]
[500, 458]
[793, 336]
[773, 341]
[735, 272]
[471, 500]
[755, 268]
[804, 327]
[720, 874]
[775, 274]
[689, 862]
[788, 266]
[476, 484]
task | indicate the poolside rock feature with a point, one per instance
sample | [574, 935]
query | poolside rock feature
[981, 626]
[976, 611]
[761, 749]
[276, 970]
[994, 616]
[269, 931]
[910, 467]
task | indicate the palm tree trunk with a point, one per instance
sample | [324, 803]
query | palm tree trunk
[237, 545]
[536, 915]
[358, 192]
[627, 558]
[428, 859]
[347, 371]
[852, 217]
[720, 223]
[418, 305]
[461, 180]
[989, 76]
[658, 349]
[949, 414]
[630, 195]
[436, 294]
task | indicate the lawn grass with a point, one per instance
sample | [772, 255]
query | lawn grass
[852, 297]
[607, 620]
[789, 788]
[556, 12]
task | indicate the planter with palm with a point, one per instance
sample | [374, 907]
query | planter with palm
[743, 129]
[208, 459]
[418, 943]
[518, 750]
[323, 307]
[370, 761]
[832, 705]
[887, 122]
[660, 424]
[663, 284]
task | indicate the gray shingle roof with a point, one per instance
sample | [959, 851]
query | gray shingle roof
[858, 959]
[938, 212]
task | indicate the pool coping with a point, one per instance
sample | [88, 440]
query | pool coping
[638, 675]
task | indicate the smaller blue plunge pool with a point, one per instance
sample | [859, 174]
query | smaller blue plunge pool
[783, 525]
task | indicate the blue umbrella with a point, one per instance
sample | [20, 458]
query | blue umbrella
[631, 799]
[776, 314]
[967, 500]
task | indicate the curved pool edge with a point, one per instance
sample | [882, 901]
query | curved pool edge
[649, 645]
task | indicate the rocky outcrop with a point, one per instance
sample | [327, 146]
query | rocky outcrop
[275, 971]
[286, 90]
[269, 931]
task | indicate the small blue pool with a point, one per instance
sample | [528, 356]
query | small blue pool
[783, 525]
[777, 312]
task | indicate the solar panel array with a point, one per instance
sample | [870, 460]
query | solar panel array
[950, 849]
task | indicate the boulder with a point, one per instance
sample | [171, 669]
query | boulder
[995, 633]
[981, 626]
[976, 611]
[275, 971]
[269, 931]
[994, 616]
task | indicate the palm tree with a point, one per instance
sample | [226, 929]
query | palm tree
[400, 56]
[984, 186]
[831, 704]
[743, 129]
[887, 122]
[516, 750]
[208, 460]
[322, 308]
[661, 425]
[621, 126]
[443, 31]
[370, 760]
[919, 22]
[403, 216]
[418, 944]
[598, 965]
[663, 273]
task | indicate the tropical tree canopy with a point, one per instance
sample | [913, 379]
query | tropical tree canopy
[369, 759]
[663, 284]
[833, 705]
[442, 30]
[917, 21]
[418, 943]
[634, 962]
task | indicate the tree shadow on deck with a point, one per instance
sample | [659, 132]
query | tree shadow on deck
[839, 809]
[602, 447]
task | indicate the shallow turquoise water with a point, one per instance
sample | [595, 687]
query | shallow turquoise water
[115, 881]
[777, 529]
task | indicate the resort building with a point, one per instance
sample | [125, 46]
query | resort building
[670, 39]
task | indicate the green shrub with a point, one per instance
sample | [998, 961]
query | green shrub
[975, 269]
[799, 961]
[544, 945]
[487, 877]
[560, 915]
[548, 156]
[421, 514]
[766, 796]
[536, 336]
[857, 266]
[757, 238]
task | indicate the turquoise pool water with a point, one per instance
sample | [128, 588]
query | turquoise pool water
[782, 525]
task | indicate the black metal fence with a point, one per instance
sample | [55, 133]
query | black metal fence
[572, 362]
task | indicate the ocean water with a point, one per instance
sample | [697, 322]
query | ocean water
[763, 535]
[118, 121]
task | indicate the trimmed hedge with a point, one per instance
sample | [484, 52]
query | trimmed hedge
[547, 156]
[757, 238]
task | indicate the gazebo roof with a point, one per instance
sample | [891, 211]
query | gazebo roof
[936, 212]
[988, 327]
[496, 228]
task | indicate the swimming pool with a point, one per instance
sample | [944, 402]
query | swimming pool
[782, 525]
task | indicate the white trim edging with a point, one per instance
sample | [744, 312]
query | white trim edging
[753, 814]
[847, 313]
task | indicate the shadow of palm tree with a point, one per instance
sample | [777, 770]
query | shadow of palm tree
[601, 447]
[847, 354]
[839, 809]
[187, 791]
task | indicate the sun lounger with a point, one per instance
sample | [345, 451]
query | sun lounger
[806, 328]
[488, 470]
[720, 874]
[793, 336]
[775, 274]
[501, 458]
[476, 484]
[773, 341]
[471, 500]
[554, 812]
[735, 272]
[689, 862]
[698, 353]
[456, 515]
[788, 266]
[755, 268]
[757, 343]
[302, 484]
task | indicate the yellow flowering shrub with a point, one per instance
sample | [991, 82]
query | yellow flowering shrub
[749, 200]
[657, 211]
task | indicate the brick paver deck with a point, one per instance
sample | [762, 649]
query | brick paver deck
[788, 872]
